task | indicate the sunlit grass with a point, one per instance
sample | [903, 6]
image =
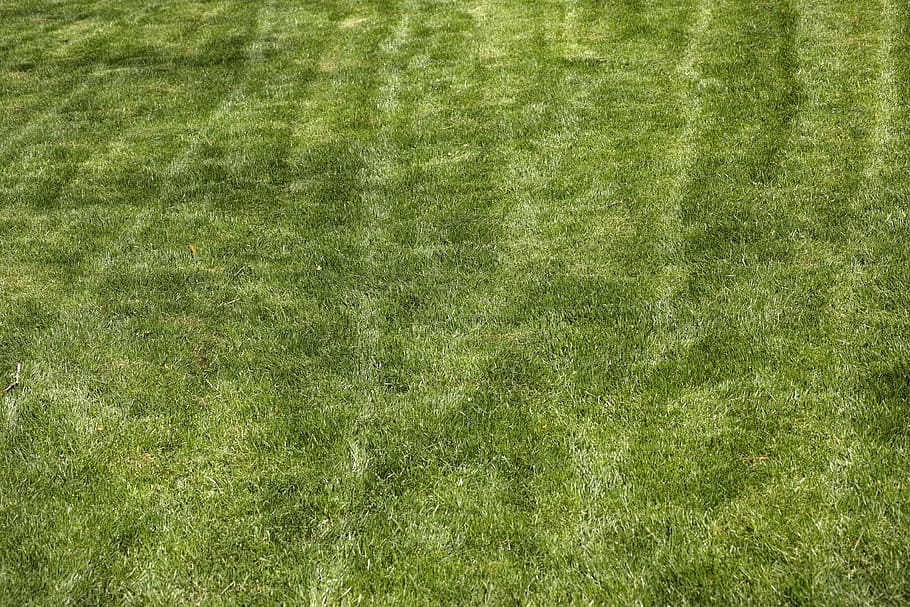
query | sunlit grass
[455, 302]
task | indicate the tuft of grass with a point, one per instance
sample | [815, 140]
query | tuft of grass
[425, 302]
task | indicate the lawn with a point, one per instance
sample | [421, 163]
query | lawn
[436, 302]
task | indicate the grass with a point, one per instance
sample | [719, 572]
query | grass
[488, 302]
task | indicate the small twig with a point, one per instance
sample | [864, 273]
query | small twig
[15, 381]
[757, 459]
[856, 544]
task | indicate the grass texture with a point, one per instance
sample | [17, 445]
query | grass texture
[435, 302]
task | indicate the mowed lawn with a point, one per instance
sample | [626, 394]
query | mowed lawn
[464, 302]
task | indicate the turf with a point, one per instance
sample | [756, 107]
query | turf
[482, 302]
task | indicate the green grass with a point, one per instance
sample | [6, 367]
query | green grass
[490, 302]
